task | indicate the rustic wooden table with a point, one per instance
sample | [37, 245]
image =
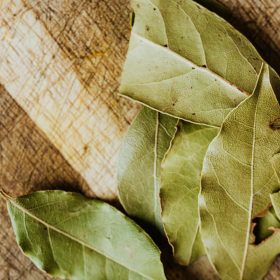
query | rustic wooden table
[61, 121]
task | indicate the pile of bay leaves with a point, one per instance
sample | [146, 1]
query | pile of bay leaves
[200, 163]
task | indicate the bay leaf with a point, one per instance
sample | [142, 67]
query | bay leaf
[188, 62]
[180, 186]
[217, 7]
[70, 236]
[237, 180]
[275, 199]
[143, 149]
[265, 226]
[262, 256]
[276, 158]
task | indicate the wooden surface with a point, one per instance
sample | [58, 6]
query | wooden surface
[61, 121]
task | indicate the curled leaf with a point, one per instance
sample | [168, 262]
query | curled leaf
[188, 62]
[73, 237]
[262, 256]
[180, 186]
[237, 180]
[265, 226]
[143, 149]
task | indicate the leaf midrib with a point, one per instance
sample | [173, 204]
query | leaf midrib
[251, 182]
[156, 191]
[189, 62]
[242, 269]
[73, 238]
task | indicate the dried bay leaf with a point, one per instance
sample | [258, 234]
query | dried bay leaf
[188, 62]
[275, 199]
[180, 186]
[216, 6]
[265, 226]
[73, 237]
[262, 256]
[147, 141]
[237, 180]
[276, 161]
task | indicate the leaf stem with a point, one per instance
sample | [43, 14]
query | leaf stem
[4, 195]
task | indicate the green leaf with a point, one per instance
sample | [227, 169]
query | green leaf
[180, 186]
[216, 6]
[188, 62]
[73, 237]
[262, 256]
[265, 225]
[143, 149]
[237, 180]
[275, 199]
[276, 157]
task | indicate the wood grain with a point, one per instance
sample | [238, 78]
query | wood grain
[67, 106]
[80, 46]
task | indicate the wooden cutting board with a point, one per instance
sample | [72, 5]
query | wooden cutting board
[61, 121]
